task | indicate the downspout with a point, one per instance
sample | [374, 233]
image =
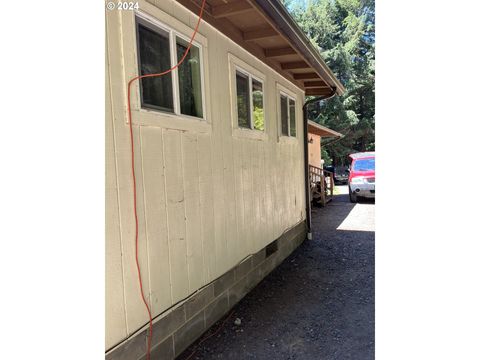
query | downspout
[305, 152]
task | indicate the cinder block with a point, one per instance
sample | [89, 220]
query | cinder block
[299, 239]
[290, 246]
[253, 278]
[188, 333]
[168, 324]
[163, 350]
[133, 348]
[285, 251]
[282, 254]
[258, 258]
[215, 310]
[286, 237]
[237, 291]
[243, 268]
[267, 266]
[198, 301]
[223, 283]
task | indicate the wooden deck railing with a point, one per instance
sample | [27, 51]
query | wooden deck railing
[321, 185]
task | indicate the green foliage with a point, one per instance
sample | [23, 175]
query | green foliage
[326, 157]
[344, 32]
[258, 116]
[258, 119]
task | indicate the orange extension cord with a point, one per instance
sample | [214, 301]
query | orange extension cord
[133, 171]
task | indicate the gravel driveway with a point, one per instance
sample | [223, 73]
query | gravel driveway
[318, 304]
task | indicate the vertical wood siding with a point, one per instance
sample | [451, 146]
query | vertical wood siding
[206, 199]
[114, 285]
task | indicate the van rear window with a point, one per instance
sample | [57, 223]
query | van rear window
[364, 164]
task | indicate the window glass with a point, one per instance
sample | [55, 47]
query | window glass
[243, 100]
[293, 128]
[258, 116]
[364, 164]
[284, 114]
[154, 51]
[189, 80]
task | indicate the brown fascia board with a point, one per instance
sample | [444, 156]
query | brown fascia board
[275, 10]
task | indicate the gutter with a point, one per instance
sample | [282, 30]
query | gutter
[308, 203]
[283, 20]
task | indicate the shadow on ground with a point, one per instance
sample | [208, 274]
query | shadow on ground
[318, 304]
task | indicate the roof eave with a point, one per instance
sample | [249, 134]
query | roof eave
[323, 131]
[276, 10]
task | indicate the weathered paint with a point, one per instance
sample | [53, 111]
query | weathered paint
[209, 194]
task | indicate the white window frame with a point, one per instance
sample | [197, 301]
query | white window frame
[289, 97]
[234, 63]
[172, 38]
[251, 77]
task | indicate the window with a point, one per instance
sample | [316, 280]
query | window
[284, 114]
[287, 116]
[293, 125]
[249, 93]
[258, 116]
[178, 92]
[364, 164]
[154, 54]
[189, 79]
[243, 101]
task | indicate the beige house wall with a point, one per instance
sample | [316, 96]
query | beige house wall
[314, 153]
[209, 194]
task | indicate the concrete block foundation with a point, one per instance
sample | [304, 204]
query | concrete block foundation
[179, 327]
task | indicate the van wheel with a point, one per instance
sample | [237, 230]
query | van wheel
[353, 197]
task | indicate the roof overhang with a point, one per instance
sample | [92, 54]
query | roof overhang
[323, 131]
[266, 30]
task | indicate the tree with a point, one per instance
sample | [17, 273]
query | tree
[344, 32]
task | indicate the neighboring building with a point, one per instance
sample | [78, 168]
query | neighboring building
[220, 162]
[315, 134]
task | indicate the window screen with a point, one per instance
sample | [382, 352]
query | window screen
[243, 100]
[154, 57]
[293, 128]
[258, 116]
[189, 80]
[284, 114]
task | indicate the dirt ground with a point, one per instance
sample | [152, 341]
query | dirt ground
[318, 304]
